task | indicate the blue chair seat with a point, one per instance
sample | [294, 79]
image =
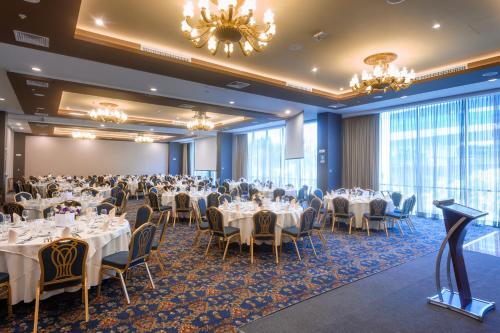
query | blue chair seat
[396, 215]
[204, 226]
[4, 277]
[268, 237]
[373, 217]
[118, 260]
[317, 226]
[397, 210]
[66, 284]
[344, 216]
[229, 231]
[293, 231]
[165, 208]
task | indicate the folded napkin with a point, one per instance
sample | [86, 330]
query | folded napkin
[293, 202]
[38, 196]
[278, 199]
[88, 211]
[23, 199]
[16, 218]
[112, 213]
[66, 232]
[12, 236]
[122, 218]
[237, 207]
[105, 226]
[226, 203]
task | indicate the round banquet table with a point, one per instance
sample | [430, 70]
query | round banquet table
[233, 185]
[269, 192]
[36, 206]
[359, 206]
[20, 259]
[168, 198]
[243, 218]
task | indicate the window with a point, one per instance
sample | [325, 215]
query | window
[444, 150]
[266, 151]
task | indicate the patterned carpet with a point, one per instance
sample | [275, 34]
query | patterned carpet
[208, 295]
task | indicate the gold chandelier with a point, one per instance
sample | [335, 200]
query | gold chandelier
[83, 135]
[384, 76]
[108, 112]
[144, 139]
[200, 122]
[231, 21]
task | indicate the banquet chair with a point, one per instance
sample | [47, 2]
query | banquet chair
[153, 190]
[13, 207]
[213, 199]
[183, 206]
[305, 229]
[226, 186]
[202, 226]
[5, 291]
[319, 193]
[341, 191]
[105, 205]
[319, 218]
[138, 254]
[62, 264]
[72, 203]
[278, 193]
[221, 189]
[48, 211]
[317, 204]
[90, 191]
[143, 216]
[23, 195]
[17, 187]
[302, 195]
[155, 204]
[114, 191]
[52, 186]
[224, 197]
[403, 215]
[244, 189]
[217, 229]
[158, 241]
[53, 193]
[141, 188]
[264, 228]
[396, 199]
[377, 214]
[123, 207]
[234, 193]
[121, 201]
[252, 193]
[110, 200]
[341, 213]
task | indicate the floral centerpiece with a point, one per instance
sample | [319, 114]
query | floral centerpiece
[65, 215]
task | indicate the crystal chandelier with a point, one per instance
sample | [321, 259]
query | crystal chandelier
[144, 139]
[108, 112]
[83, 135]
[228, 22]
[200, 122]
[384, 76]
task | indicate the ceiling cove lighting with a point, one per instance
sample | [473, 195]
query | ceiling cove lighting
[143, 139]
[83, 135]
[200, 122]
[436, 26]
[99, 22]
[383, 77]
[2, 99]
[108, 112]
[36, 69]
[222, 23]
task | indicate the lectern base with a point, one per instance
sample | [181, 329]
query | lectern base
[477, 309]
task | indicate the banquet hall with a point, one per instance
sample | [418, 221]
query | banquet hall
[249, 166]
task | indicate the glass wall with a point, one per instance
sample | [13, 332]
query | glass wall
[444, 150]
[266, 157]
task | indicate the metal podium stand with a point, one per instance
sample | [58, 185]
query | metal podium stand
[456, 218]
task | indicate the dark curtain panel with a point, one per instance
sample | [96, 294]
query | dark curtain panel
[360, 136]
[240, 156]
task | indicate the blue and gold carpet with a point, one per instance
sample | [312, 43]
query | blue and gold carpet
[209, 295]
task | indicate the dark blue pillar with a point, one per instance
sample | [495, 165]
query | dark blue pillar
[329, 151]
[174, 158]
[224, 156]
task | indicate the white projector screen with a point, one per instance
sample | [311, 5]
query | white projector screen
[294, 137]
[205, 154]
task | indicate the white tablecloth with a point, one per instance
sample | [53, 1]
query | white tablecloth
[36, 207]
[21, 260]
[269, 192]
[168, 198]
[243, 218]
[359, 206]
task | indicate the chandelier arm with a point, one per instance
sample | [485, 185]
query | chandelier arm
[242, 47]
[253, 42]
[214, 52]
[256, 35]
[205, 17]
[191, 38]
[197, 24]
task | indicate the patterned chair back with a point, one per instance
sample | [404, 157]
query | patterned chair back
[53, 194]
[120, 196]
[140, 244]
[264, 223]
[213, 199]
[153, 190]
[62, 263]
[279, 192]
[405, 209]
[396, 198]
[221, 189]
[72, 203]
[154, 201]
[17, 187]
[114, 191]
[307, 220]
[143, 216]
[377, 207]
[226, 185]
[47, 211]
[413, 202]
[90, 191]
[13, 207]
[182, 201]
[302, 195]
[18, 197]
[163, 228]
[202, 207]
[244, 188]
[215, 220]
[316, 204]
[105, 205]
[317, 192]
[341, 206]
[235, 193]
[252, 192]
[225, 197]
[52, 186]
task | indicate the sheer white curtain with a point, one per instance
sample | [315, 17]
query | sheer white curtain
[266, 157]
[444, 150]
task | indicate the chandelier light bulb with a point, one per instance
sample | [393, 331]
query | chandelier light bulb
[188, 9]
[268, 17]
[203, 4]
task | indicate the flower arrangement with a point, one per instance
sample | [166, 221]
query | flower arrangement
[62, 209]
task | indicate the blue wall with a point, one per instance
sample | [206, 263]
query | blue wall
[174, 158]
[329, 146]
[224, 156]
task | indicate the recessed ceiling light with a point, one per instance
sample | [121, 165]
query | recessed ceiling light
[314, 69]
[287, 111]
[341, 88]
[492, 80]
[39, 95]
[18, 124]
[394, 2]
[153, 89]
[102, 125]
[152, 129]
[78, 114]
[99, 21]
[436, 26]
[231, 102]
[378, 97]
[490, 74]
[2, 99]
[403, 97]
[21, 128]
[36, 69]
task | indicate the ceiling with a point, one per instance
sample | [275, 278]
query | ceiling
[355, 30]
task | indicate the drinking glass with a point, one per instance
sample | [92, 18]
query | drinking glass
[104, 211]
[25, 214]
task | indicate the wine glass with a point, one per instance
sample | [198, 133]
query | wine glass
[25, 215]
[104, 211]
[94, 211]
